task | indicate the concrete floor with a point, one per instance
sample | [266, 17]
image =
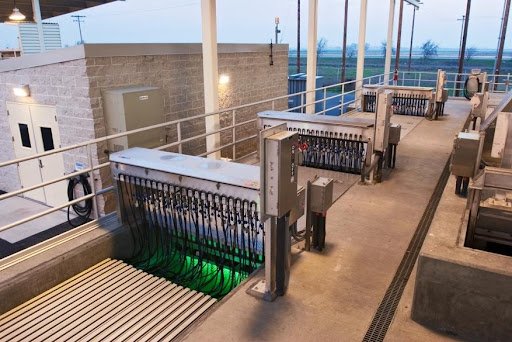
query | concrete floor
[403, 328]
[333, 295]
[17, 208]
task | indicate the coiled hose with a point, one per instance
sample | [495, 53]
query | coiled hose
[82, 211]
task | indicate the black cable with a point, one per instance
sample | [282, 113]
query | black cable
[82, 211]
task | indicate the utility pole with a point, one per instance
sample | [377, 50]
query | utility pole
[501, 45]
[461, 31]
[412, 37]
[79, 19]
[344, 47]
[298, 36]
[277, 30]
[463, 47]
[399, 37]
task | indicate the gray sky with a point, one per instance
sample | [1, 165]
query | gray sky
[244, 21]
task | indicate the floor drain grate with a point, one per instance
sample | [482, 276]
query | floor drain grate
[386, 310]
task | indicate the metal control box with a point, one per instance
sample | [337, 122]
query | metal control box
[280, 173]
[466, 153]
[133, 107]
[382, 117]
[321, 195]
[300, 207]
[395, 131]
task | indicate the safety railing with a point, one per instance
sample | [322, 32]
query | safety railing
[454, 82]
[343, 91]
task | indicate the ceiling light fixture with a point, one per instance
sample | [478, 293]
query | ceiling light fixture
[16, 14]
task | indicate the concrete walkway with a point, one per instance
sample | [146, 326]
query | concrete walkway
[333, 296]
[17, 208]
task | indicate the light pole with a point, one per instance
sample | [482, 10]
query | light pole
[412, 38]
[78, 19]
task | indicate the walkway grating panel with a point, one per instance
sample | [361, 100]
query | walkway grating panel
[109, 301]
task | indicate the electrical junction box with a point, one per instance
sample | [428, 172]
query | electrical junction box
[280, 173]
[129, 108]
[395, 131]
[466, 153]
[321, 195]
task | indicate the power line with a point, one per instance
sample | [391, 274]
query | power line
[79, 20]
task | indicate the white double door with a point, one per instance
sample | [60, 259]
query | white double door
[34, 130]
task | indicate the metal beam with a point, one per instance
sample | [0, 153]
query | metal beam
[463, 47]
[311, 62]
[412, 38]
[344, 48]
[501, 44]
[361, 51]
[389, 43]
[210, 74]
[399, 35]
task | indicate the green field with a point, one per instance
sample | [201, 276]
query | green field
[329, 67]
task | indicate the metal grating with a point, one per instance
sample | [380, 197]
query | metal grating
[109, 301]
[387, 308]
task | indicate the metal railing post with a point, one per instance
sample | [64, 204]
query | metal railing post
[507, 82]
[342, 107]
[403, 77]
[233, 140]
[325, 101]
[96, 214]
[178, 129]
[454, 85]
[419, 79]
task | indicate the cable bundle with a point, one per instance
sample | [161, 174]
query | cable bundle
[403, 104]
[332, 154]
[204, 241]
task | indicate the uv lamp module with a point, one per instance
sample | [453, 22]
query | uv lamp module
[193, 220]
[327, 142]
[414, 101]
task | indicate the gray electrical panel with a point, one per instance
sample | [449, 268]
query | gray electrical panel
[466, 154]
[280, 173]
[395, 131]
[321, 194]
[129, 108]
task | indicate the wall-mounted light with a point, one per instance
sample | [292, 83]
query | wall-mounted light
[223, 79]
[21, 91]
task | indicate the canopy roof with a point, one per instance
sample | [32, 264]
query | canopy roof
[49, 8]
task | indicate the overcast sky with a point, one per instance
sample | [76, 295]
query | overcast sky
[244, 21]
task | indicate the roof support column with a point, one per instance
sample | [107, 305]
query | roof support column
[211, 74]
[389, 43]
[361, 51]
[36, 8]
[312, 57]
